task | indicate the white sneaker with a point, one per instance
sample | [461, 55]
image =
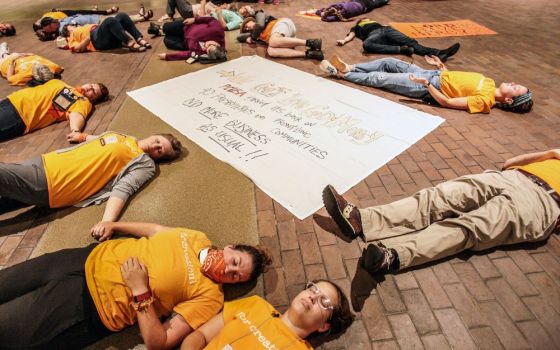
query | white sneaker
[328, 68]
[165, 18]
[4, 49]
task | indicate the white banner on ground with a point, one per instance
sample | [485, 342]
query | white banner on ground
[291, 132]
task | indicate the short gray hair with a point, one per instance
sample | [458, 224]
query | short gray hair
[216, 53]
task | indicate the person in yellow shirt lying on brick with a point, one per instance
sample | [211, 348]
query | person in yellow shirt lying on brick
[17, 68]
[73, 297]
[468, 91]
[111, 166]
[36, 107]
[321, 311]
[476, 212]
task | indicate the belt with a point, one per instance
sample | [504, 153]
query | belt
[537, 180]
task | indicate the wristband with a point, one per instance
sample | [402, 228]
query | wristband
[428, 85]
[143, 297]
[82, 137]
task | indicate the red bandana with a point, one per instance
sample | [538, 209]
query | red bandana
[214, 266]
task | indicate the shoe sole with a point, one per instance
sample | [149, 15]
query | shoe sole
[329, 200]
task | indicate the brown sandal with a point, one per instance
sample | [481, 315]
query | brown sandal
[135, 48]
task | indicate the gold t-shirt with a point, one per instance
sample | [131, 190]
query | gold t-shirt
[35, 107]
[76, 174]
[478, 89]
[548, 170]
[250, 323]
[177, 285]
[23, 71]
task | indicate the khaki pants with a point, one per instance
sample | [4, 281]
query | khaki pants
[471, 212]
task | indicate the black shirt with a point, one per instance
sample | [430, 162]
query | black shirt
[364, 28]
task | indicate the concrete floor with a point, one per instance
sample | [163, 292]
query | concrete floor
[506, 298]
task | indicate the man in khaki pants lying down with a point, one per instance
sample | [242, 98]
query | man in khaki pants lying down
[477, 212]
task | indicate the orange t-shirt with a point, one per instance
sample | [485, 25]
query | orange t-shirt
[80, 34]
[177, 285]
[249, 324]
[78, 173]
[34, 105]
[548, 170]
[267, 32]
[478, 89]
[23, 71]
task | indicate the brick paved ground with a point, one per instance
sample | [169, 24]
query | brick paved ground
[507, 298]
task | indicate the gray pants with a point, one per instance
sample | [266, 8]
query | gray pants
[23, 184]
[475, 212]
[183, 6]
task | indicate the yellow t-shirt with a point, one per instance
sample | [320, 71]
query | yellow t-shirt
[478, 89]
[171, 257]
[23, 71]
[78, 173]
[548, 170]
[267, 32]
[55, 15]
[35, 107]
[80, 34]
[249, 324]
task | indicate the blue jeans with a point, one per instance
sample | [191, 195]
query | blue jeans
[392, 74]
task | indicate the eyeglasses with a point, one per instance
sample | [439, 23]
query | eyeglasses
[324, 301]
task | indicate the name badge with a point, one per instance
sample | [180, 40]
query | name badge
[64, 99]
[108, 140]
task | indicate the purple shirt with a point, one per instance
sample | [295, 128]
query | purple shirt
[203, 29]
[347, 9]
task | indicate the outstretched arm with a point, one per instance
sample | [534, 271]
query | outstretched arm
[349, 38]
[103, 230]
[529, 158]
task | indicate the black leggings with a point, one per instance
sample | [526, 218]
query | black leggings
[11, 124]
[111, 33]
[174, 35]
[45, 303]
[84, 12]
[371, 4]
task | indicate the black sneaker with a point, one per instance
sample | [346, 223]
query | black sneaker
[154, 29]
[315, 55]
[450, 51]
[314, 44]
[378, 259]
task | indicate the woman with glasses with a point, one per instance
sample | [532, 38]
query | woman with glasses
[321, 310]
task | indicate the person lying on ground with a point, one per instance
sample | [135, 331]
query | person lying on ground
[194, 36]
[60, 14]
[345, 10]
[7, 29]
[382, 39]
[33, 108]
[73, 297]
[230, 20]
[113, 33]
[110, 167]
[243, 10]
[468, 91]
[19, 68]
[280, 36]
[51, 27]
[519, 204]
[183, 7]
[320, 310]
